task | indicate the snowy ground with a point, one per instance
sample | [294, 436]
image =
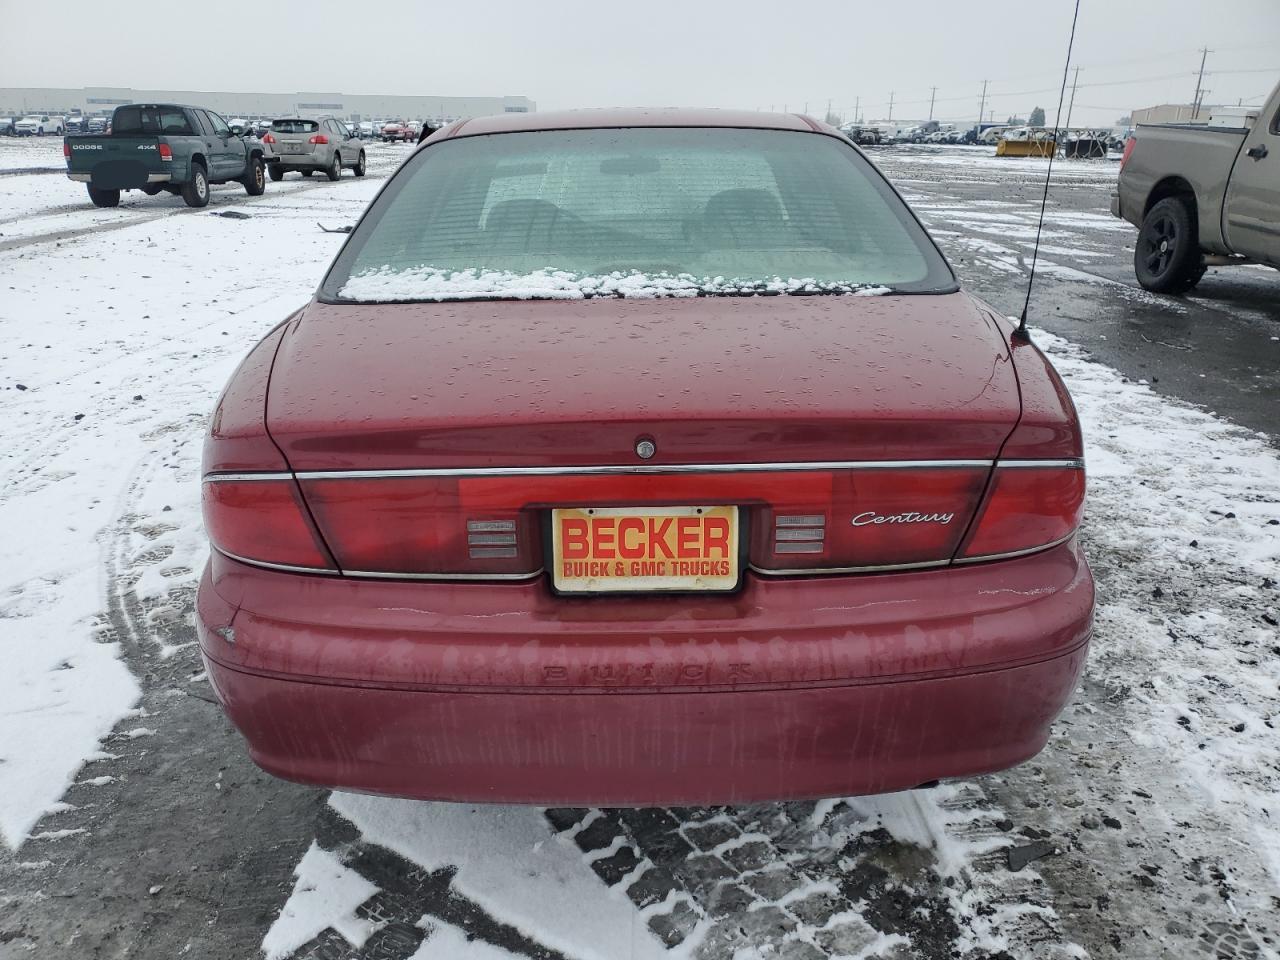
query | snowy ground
[130, 822]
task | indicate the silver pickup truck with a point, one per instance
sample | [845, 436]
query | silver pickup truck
[1201, 196]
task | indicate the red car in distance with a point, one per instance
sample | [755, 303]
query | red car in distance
[642, 457]
[395, 130]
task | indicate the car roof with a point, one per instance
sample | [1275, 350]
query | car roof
[632, 117]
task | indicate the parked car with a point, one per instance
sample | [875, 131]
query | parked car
[38, 125]
[307, 146]
[617, 566]
[75, 124]
[158, 146]
[395, 130]
[96, 125]
[7, 128]
[1201, 195]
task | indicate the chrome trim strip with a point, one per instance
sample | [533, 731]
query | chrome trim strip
[287, 568]
[216, 477]
[876, 569]
[443, 576]
[1076, 463]
[1016, 553]
[675, 468]
[640, 468]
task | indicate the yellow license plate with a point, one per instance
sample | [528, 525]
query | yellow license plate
[626, 549]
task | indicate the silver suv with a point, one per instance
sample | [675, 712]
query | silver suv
[326, 144]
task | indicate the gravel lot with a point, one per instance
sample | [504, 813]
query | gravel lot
[132, 824]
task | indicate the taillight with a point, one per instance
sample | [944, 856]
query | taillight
[319, 138]
[1128, 149]
[1029, 507]
[864, 519]
[66, 149]
[268, 138]
[427, 525]
[822, 519]
[166, 152]
[262, 521]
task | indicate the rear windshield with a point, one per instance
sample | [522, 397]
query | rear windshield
[294, 126]
[157, 120]
[635, 212]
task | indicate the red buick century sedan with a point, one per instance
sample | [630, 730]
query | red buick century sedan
[642, 457]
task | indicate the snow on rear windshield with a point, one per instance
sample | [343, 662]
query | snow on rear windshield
[635, 212]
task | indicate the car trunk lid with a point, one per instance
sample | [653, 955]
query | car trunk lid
[713, 380]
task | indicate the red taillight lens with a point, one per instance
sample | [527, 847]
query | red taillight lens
[263, 521]
[268, 138]
[865, 518]
[799, 520]
[1026, 509]
[432, 525]
[66, 149]
[166, 152]
[1128, 149]
[319, 138]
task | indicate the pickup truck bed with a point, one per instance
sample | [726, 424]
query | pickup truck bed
[155, 147]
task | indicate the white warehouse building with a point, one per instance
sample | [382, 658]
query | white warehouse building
[100, 101]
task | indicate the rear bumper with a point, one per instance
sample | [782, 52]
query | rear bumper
[791, 689]
[299, 161]
[151, 177]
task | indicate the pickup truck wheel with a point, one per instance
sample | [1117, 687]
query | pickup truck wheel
[360, 166]
[196, 190]
[334, 170]
[255, 179]
[104, 198]
[276, 172]
[1166, 257]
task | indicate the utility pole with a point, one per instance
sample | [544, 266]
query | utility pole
[890, 104]
[857, 109]
[1200, 91]
[983, 108]
[933, 92]
[828, 108]
[1072, 104]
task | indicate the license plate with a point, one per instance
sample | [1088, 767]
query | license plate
[644, 549]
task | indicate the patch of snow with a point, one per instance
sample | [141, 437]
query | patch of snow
[509, 862]
[432, 283]
[444, 941]
[326, 894]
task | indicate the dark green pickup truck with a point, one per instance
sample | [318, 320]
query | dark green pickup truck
[161, 146]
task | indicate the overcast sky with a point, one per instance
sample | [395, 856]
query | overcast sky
[572, 53]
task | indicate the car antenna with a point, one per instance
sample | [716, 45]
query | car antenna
[1021, 332]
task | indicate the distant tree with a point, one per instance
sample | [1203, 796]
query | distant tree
[1037, 117]
[834, 119]
[1016, 122]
